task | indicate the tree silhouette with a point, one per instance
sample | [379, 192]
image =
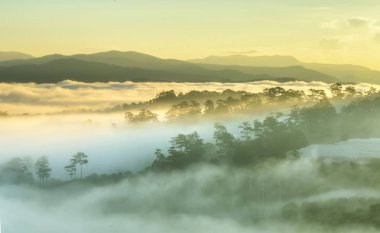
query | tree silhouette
[371, 91]
[164, 96]
[336, 90]
[143, 116]
[316, 95]
[71, 170]
[42, 169]
[159, 155]
[17, 170]
[247, 131]
[184, 150]
[225, 141]
[350, 91]
[209, 107]
[184, 110]
[274, 92]
[81, 159]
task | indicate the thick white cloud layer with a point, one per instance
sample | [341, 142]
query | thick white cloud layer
[71, 95]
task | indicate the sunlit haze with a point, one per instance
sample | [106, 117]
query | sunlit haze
[333, 31]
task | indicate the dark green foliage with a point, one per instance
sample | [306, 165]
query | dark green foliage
[164, 96]
[184, 151]
[337, 90]
[71, 170]
[274, 92]
[17, 170]
[209, 107]
[335, 212]
[43, 169]
[281, 136]
[364, 113]
[79, 158]
[144, 115]
[350, 91]
[184, 110]
[316, 95]
[319, 122]
[247, 131]
[105, 179]
[224, 142]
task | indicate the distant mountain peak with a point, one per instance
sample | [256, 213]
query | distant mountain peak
[121, 53]
[6, 56]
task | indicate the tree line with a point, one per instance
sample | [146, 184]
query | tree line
[20, 169]
[189, 106]
[278, 136]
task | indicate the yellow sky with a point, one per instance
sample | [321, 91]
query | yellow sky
[334, 31]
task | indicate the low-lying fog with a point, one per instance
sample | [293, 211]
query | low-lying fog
[353, 148]
[111, 143]
[203, 199]
[34, 98]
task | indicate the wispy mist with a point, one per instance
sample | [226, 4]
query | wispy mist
[72, 95]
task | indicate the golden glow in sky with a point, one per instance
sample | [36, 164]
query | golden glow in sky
[334, 31]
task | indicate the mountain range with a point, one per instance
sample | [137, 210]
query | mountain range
[138, 67]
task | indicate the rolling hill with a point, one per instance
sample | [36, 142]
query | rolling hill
[296, 72]
[85, 71]
[343, 73]
[6, 56]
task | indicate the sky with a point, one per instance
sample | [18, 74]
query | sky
[329, 31]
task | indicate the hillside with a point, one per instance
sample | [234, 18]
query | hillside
[296, 72]
[6, 56]
[343, 73]
[85, 71]
[347, 73]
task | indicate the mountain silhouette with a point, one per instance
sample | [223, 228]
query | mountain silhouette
[139, 67]
[343, 73]
[85, 71]
[6, 56]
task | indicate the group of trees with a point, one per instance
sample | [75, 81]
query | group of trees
[17, 170]
[197, 104]
[277, 136]
[20, 169]
[80, 159]
[184, 110]
[335, 212]
[143, 116]
[184, 150]
[43, 169]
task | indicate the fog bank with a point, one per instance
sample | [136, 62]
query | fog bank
[19, 98]
[202, 199]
